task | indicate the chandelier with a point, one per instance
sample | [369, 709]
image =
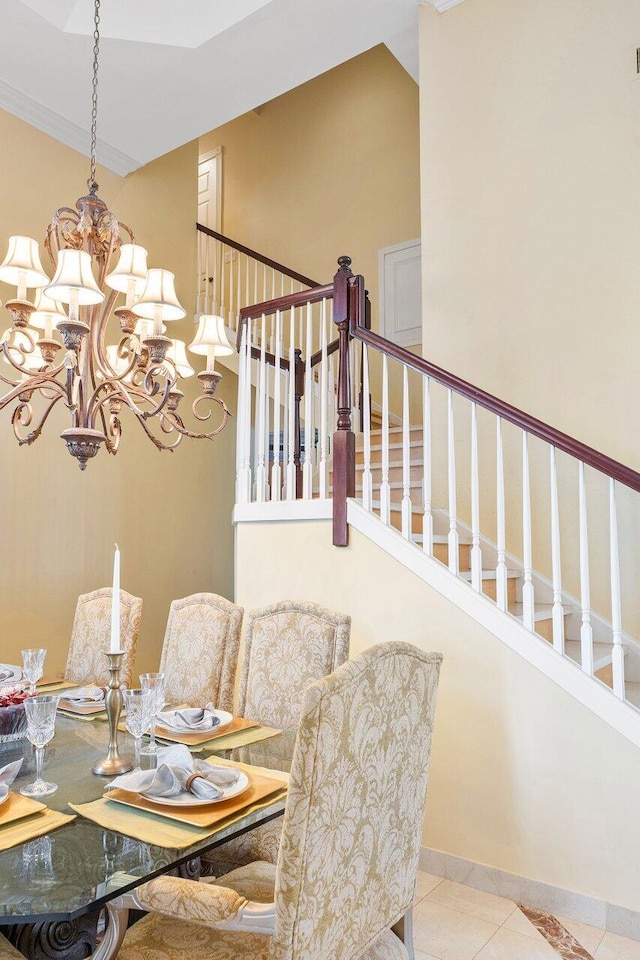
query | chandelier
[78, 308]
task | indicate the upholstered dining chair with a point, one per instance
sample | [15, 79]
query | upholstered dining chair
[345, 879]
[287, 645]
[91, 635]
[200, 650]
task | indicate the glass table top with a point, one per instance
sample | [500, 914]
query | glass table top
[80, 866]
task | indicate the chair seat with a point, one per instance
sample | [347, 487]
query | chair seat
[163, 938]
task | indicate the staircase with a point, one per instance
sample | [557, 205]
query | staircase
[430, 452]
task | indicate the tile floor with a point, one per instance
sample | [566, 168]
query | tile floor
[455, 922]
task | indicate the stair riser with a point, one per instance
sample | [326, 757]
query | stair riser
[441, 553]
[489, 588]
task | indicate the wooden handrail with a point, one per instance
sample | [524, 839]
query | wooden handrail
[562, 441]
[268, 262]
[269, 307]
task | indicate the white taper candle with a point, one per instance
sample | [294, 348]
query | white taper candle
[115, 603]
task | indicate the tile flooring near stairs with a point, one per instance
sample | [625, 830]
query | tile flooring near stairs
[456, 922]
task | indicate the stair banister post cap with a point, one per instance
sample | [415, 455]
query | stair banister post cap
[344, 263]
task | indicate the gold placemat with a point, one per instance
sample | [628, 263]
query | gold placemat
[31, 827]
[240, 739]
[160, 831]
[238, 724]
[17, 807]
[81, 716]
[52, 686]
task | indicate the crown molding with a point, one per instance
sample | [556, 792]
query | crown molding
[65, 131]
[442, 5]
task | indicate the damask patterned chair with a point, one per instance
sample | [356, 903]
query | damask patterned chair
[91, 634]
[346, 873]
[200, 650]
[286, 646]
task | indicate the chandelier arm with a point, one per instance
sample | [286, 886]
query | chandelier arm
[142, 420]
[25, 386]
[18, 421]
[98, 330]
[178, 424]
[7, 348]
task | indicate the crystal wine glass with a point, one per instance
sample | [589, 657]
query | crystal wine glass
[33, 666]
[155, 683]
[139, 706]
[41, 726]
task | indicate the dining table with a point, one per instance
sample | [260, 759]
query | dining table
[53, 888]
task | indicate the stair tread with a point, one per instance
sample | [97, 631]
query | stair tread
[632, 691]
[541, 611]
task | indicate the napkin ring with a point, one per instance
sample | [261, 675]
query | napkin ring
[190, 779]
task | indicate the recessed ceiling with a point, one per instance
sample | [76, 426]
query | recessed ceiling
[172, 70]
[173, 23]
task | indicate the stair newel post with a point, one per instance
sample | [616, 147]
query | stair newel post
[345, 296]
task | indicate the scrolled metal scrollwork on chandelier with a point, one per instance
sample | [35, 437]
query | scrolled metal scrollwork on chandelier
[72, 312]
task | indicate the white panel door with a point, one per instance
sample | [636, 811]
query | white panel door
[401, 293]
[210, 189]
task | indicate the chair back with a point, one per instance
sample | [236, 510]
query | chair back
[200, 650]
[287, 646]
[91, 636]
[352, 828]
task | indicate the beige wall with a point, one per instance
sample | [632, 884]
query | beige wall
[168, 512]
[523, 777]
[531, 207]
[331, 167]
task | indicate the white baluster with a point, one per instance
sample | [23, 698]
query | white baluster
[453, 539]
[528, 601]
[291, 419]
[206, 272]
[232, 289]
[307, 469]
[215, 274]
[222, 278]
[617, 652]
[247, 281]
[239, 293]
[586, 630]
[256, 266]
[324, 402]
[406, 457]
[367, 477]
[557, 613]
[245, 397]
[385, 489]
[276, 473]
[241, 425]
[199, 274]
[476, 552]
[501, 566]
[427, 520]
[261, 396]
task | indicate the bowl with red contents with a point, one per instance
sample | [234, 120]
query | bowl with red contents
[13, 720]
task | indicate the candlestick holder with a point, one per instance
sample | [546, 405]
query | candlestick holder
[113, 763]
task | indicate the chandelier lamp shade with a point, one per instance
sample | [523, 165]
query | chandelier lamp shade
[92, 338]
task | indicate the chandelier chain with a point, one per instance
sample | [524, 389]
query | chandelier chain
[93, 186]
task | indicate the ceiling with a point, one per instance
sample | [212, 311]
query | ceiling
[171, 70]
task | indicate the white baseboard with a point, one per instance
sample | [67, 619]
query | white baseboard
[533, 893]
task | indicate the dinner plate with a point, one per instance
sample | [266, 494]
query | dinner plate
[222, 715]
[3, 799]
[13, 676]
[189, 800]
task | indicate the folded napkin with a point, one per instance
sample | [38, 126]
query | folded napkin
[85, 695]
[178, 773]
[7, 776]
[192, 719]
[8, 672]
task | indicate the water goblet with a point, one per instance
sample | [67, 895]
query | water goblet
[33, 666]
[139, 706]
[155, 682]
[41, 726]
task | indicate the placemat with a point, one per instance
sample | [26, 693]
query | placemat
[52, 686]
[81, 709]
[230, 741]
[204, 736]
[17, 807]
[158, 830]
[83, 717]
[31, 827]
